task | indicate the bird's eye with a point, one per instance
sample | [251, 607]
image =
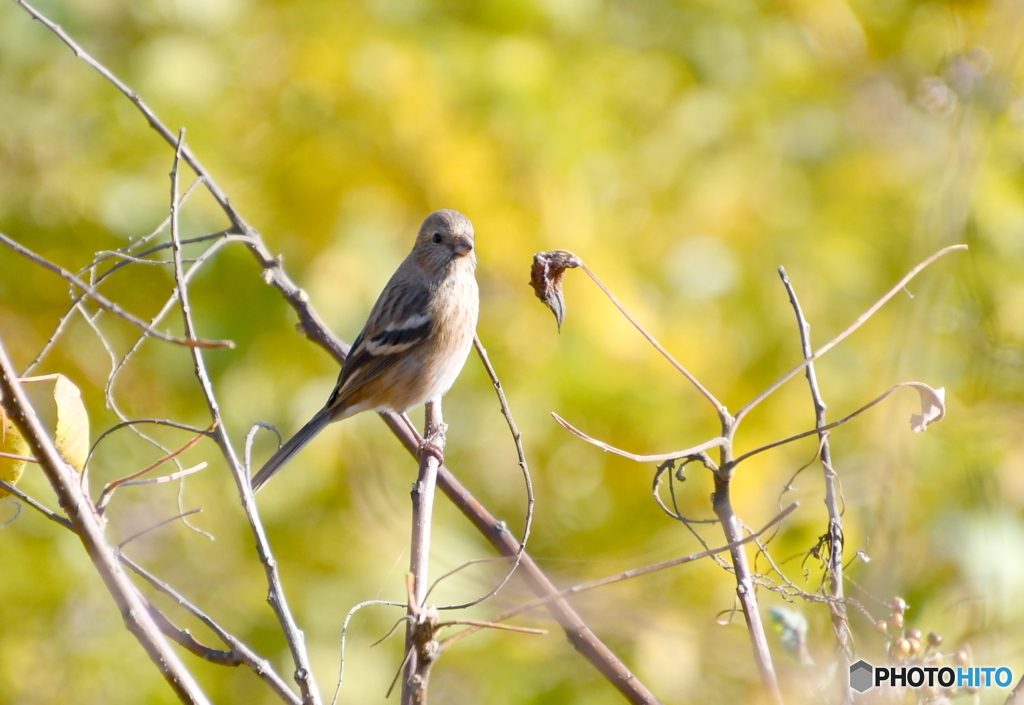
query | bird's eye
[437, 238]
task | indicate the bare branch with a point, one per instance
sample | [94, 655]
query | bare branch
[565, 259]
[419, 634]
[834, 564]
[293, 635]
[165, 522]
[827, 427]
[344, 634]
[863, 318]
[111, 487]
[106, 303]
[259, 665]
[467, 564]
[23, 458]
[495, 531]
[167, 478]
[675, 455]
[86, 525]
[45, 511]
[625, 575]
[517, 438]
[480, 624]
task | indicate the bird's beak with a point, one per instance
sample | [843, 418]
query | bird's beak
[463, 246]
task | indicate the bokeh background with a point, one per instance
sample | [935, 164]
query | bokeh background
[684, 150]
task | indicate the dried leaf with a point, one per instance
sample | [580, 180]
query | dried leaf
[11, 441]
[72, 433]
[546, 279]
[933, 405]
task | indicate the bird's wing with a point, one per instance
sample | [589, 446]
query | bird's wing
[396, 326]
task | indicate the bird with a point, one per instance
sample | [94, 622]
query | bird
[415, 340]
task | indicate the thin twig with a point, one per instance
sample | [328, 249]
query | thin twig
[259, 665]
[106, 303]
[720, 409]
[17, 513]
[834, 563]
[41, 508]
[660, 458]
[483, 624]
[293, 635]
[165, 522]
[250, 437]
[817, 431]
[108, 491]
[625, 575]
[132, 422]
[167, 478]
[344, 634]
[863, 318]
[467, 564]
[517, 438]
[22, 458]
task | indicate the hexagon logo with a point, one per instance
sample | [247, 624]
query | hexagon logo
[860, 676]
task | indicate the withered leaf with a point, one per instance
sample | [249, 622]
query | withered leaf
[546, 279]
[12, 442]
[72, 433]
[933, 405]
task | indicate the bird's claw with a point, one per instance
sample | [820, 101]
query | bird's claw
[434, 443]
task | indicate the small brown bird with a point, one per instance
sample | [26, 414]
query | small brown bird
[416, 339]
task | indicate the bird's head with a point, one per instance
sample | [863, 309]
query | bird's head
[446, 236]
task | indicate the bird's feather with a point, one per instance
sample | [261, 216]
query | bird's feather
[293, 446]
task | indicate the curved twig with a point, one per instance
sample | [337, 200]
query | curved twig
[846, 333]
[675, 455]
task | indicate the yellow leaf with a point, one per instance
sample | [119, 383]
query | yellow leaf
[72, 433]
[11, 441]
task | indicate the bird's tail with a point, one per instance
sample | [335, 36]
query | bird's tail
[293, 446]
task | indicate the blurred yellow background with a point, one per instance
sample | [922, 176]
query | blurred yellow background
[684, 150]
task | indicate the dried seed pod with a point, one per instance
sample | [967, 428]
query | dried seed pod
[935, 639]
[899, 649]
[915, 646]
